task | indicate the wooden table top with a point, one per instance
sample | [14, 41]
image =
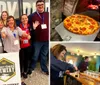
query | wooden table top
[96, 79]
[85, 79]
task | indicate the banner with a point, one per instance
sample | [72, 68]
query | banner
[12, 7]
[9, 69]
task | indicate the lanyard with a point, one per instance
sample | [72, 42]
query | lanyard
[41, 17]
[14, 35]
[26, 30]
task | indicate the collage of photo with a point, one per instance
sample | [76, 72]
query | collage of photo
[49, 42]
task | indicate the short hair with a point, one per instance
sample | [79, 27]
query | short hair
[9, 17]
[57, 49]
[4, 12]
[86, 57]
[39, 1]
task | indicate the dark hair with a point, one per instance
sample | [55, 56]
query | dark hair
[57, 49]
[86, 57]
[4, 12]
[39, 1]
[13, 19]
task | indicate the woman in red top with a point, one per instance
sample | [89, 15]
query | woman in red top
[25, 46]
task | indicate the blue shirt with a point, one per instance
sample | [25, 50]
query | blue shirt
[58, 67]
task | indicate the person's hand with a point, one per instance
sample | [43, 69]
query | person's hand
[29, 37]
[24, 34]
[3, 35]
[75, 67]
[35, 24]
[67, 72]
[91, 6]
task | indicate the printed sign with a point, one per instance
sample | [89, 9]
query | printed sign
[12, 7]
[9, 69]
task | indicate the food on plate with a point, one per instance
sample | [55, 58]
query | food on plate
[81, 24]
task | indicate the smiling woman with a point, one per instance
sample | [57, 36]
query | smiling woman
[89, 64]
[57, 66]
[11, 34]
[15, 39]
[58, 51]
[4, 16]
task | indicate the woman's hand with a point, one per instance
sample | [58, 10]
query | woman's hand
[29, 37]
[3, 35]
[35, 24]
[26, 35]
[75, 67]
[67, 72]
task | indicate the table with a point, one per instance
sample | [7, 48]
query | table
[82, 79]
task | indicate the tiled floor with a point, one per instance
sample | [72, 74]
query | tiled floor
[37, 78]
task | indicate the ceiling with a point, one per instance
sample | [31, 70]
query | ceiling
[84, 48]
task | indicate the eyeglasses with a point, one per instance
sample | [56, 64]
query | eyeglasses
[40, 4]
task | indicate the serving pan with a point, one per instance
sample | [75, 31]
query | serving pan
[69, 36]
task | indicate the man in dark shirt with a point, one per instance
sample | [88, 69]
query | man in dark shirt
[83, 65]
[40, 21]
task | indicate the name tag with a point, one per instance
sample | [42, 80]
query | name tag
[25, 41]
[44, 26]
[16, 42]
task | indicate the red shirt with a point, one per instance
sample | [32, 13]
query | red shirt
[24, 43]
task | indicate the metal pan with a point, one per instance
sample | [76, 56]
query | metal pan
[69, 36]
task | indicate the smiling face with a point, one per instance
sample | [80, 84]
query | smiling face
[61, 54]
[11, 22]
[40, 7]
[24, 19]
[4, 16]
